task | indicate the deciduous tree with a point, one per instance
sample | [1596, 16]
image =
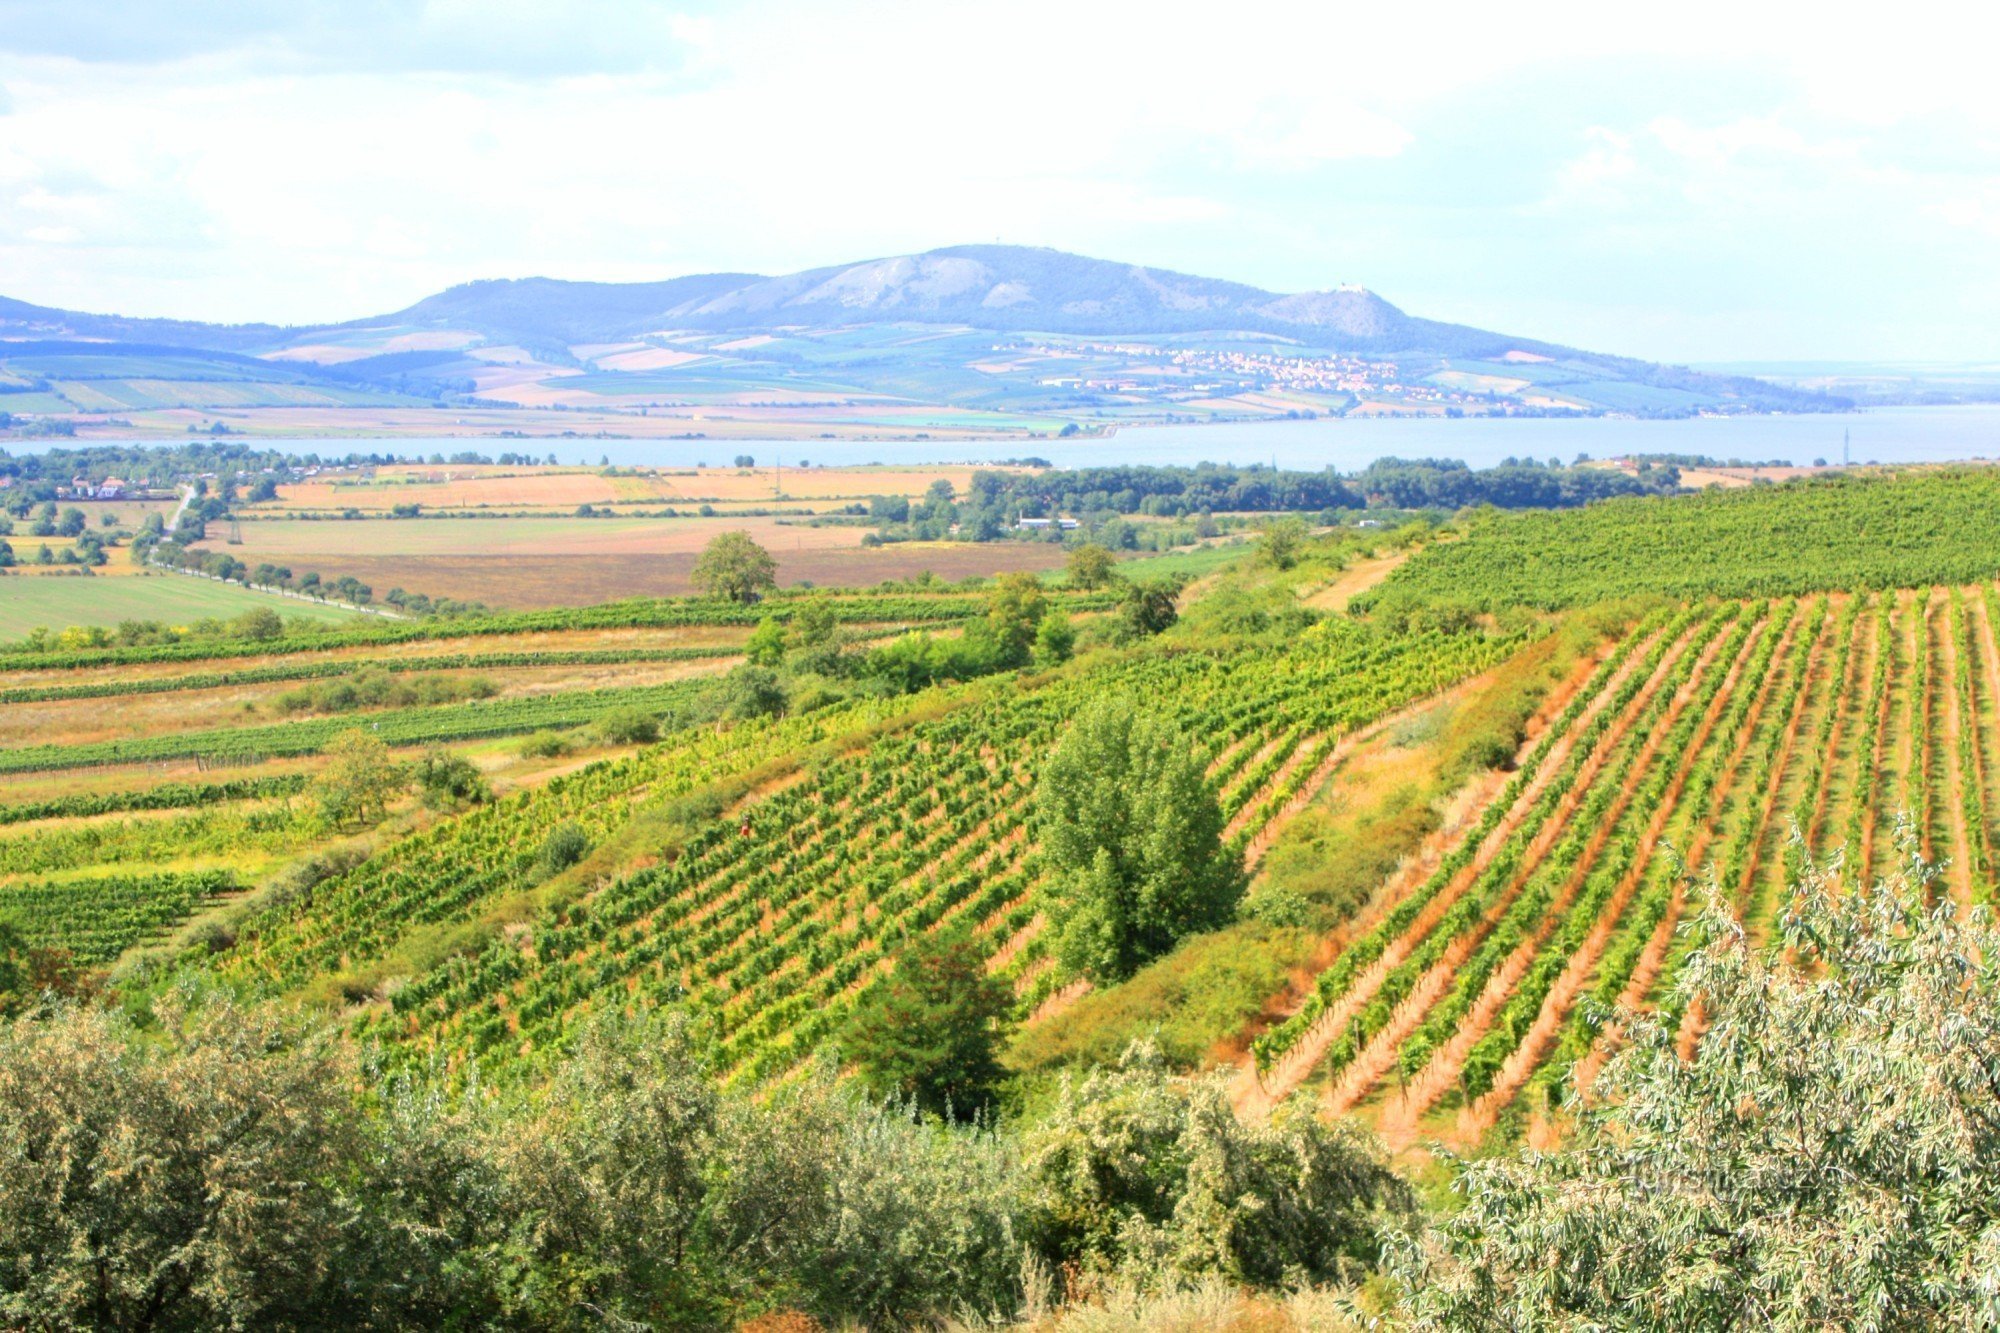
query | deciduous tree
[1131, 833]
[929, 1032]
[1090, 566]
[359, 779]
[735, 567]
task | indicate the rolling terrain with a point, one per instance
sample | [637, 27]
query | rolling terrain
[1584, 759]
[973, 339]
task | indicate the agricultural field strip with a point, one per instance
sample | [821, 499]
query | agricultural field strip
[97, 919]
[324, 670]
[166, 796]
[446, 871]
[1985, 609]
[1842, 729]
[1862, 818]
[415, 725]
[209, 833]
[1923, 528]
[1255, 1089]
[1569, 746]
[1435, 1023]
[887, 609]
[1003, 840]
[770, 936]
[1974, 834]
[1954, 675]
[1786, 844]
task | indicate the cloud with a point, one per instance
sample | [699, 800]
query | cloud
[309, 160]
[515, 38]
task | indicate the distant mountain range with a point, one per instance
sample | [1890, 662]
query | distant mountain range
[831, 333]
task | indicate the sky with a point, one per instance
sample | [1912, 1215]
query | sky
[1694, 183]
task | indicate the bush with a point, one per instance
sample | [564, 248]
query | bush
[751, 692]
[1828, 1157]
[564, 847]
[545, 745]
[448, 781]
[628, 726]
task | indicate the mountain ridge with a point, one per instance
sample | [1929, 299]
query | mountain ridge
[830, 323]
[999, 287]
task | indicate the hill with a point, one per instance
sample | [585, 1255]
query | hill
[1009, 339]
[615, 871]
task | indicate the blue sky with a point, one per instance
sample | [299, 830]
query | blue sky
[1705, 183]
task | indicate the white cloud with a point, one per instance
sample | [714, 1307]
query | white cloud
[313, 160]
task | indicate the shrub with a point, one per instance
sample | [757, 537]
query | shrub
[564, 847]
[628, 726]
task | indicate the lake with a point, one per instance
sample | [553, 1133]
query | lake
[1885, 435]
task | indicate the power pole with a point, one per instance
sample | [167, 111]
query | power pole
[1846, 438]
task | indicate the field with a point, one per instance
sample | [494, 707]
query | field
[475, 487]
[1747, 736]
[124, 772]
[1464, 783]
[28, 602]
[570, 561]
[582, 580]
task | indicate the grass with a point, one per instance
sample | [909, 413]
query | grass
[1194, 563]
[29, 603]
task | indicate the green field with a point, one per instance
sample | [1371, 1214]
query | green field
[28, 601]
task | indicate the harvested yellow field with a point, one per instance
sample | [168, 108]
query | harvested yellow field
[477, 487]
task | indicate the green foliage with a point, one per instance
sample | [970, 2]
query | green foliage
[448, 781]
[33, 972]
[545, 745]
[1132, 837]
[1055, 639]
[1904, 530]
[359, 780]
[1138, 1173]
[1148, 609]
[219, 1171]
[565, 845]
[629, 726]
[1825, 1159]
[928, 1032]
[1014, 612]
[1090, 566]
[766, 645]
[735, 568]
[199, 1179]
[1190, 1003]
[1282, 543]
[372, 687]
[749, 692]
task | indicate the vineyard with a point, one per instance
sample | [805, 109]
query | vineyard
[1838, 533]
[1763, 678]
[770, 919]
[97, 864]
[1735, 738]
